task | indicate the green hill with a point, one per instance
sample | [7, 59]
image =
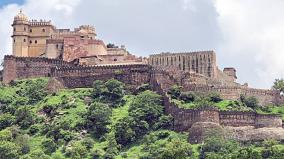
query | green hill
[106, 121]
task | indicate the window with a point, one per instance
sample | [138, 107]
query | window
[43, 30]
[14, 29]
[24, 40]
[14, 40]
[31, 42]
[36, 41]
[115, 60]
[24, 28]
[56, 46]
[31, 30]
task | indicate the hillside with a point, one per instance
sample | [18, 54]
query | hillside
[110, 121]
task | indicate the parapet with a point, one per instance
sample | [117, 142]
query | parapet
[182, 53]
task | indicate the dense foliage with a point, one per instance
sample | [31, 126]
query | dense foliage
[108, 121]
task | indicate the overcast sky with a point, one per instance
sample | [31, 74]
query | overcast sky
[245, 34]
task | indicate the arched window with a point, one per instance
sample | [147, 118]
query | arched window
[14, 40]
[43, 30]
[31, 42]
[14, 29]
[36, 41]
[31, 30]
[24, 40]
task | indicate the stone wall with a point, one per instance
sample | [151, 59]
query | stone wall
[265, 97]
[29, 67]
[203, 62]
[84, 76]
[185, 118]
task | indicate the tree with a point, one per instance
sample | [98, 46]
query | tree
[251, 101]
[6, 120]
[112, 147]
[188, 97]
[124, 134]
[174, 149]
[28, 90]
[97, 118]
[24, 117]
[279, 85]
[110, 92]
[76, 150]
[115, 90]
[98, 88]
[146, 106]
[9, 150]
[175, 91]
[218, 145]
[248, 153]
[164, 122]
[215, 97]
[22, 141]
[48, 146]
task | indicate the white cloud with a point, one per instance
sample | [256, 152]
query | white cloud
[253, 32]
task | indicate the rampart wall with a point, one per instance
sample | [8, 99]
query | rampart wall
[265, 97]
[84, 76]
[28, 67]
[185, 118]
[203, 62]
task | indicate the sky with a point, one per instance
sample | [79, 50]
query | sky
[245, 34]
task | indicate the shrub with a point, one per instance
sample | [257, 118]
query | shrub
[88, 142]
[219, 146]
[48, 146]
[164, 122]
[24, 117]
[251, 102]
[97, 118]
[29, 87]
[215, 97]
[9, 150]
[188, 97]
[76, 151]
[146, 106]
[124, 134]
[6, 120]
[110, 92]
[22, 141]
[175, 91]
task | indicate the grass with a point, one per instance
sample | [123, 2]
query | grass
[35, 142]
[121, 112]
[272, 110]
[224, 105]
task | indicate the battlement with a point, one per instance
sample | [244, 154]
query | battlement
[43, 60]
[39, 23]
[183, 53]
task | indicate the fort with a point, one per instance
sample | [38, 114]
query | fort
[75, 59]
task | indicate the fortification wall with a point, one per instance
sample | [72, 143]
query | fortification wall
[265, 97]
[84, 76]
[185, 118]
[29, 67]
[237, 119]
[203, 62]
[266, 120]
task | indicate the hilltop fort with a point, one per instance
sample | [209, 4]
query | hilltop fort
[74, 59]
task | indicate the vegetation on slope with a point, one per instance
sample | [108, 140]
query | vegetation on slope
[106, 121]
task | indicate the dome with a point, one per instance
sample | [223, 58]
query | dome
[20, 17]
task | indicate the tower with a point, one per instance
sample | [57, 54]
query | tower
[20, 35]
